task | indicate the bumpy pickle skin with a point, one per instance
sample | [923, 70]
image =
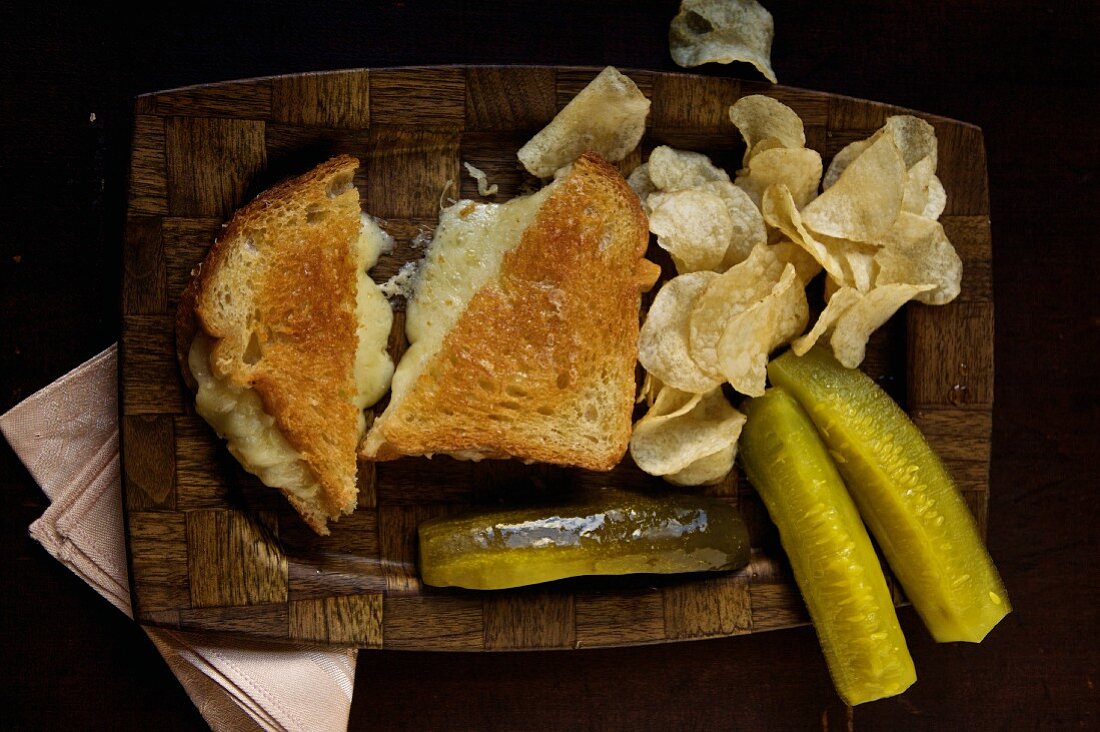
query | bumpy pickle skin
[834, 564]
[601, 532]
[904, 494]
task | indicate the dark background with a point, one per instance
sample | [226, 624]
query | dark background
[1025, 72]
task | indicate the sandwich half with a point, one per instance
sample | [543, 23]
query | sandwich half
[283, 336]
[523, 328]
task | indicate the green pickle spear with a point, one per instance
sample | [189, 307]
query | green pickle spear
[834, 564]
[601, 532]
[904, 494]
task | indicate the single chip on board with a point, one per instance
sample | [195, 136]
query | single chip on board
[607, 117]
[723, 31]
[680, 429]
[663, 341]
[751, 335]
[692, 225]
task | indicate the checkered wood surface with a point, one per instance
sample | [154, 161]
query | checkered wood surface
[213, 549]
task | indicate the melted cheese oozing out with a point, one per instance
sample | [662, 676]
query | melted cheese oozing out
[465, 254]
[373, 365]
[237, 413]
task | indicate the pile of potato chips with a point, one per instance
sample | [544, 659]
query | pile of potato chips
[744, 251]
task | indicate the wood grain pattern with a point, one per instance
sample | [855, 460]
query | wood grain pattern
[211, 548]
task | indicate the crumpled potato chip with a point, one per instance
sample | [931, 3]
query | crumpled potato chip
[924, 193]
[748, 223]
[915, 139]
[640, 182]
[751, 335]
[607, 116]
[850, 263]
[853, 328]
[674, 170]
[865, 200]
[759, 118]
[797, 168]
[706, 470]
[738, 289]
[723, 31]
[680, 429]
[663, 340]
[692, 225]
[918, 252]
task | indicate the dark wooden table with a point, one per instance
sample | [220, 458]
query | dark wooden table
[1026, 72]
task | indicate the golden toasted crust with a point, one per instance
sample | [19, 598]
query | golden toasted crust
[278, 292]
[540, 366]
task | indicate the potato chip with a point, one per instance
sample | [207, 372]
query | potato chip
[682, 428]
[831, 287]
[790, 253]
[692, 225]
[924, 193]
[663, 340]
[866, 198]
[674, 170]
[754, 333]
[723, 31]
[759, 117]
[797, 168]
[848, 262]
[641, 183]
[915, 139]
[768, 143]
[748, 223]
[918, 252]
[738, 289]
[838, 303]
[607, 116]
[706, 470]
[844, 158]
[854, 327]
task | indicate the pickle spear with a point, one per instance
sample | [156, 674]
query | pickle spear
[834, 564]
[904, 494]
[601, 532]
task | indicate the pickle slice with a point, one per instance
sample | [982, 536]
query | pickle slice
[834, 564]
[904, 494]
[601, 532]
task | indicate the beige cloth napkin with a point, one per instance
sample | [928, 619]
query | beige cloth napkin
[67, 436]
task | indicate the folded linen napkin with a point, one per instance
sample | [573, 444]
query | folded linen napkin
[67, 436]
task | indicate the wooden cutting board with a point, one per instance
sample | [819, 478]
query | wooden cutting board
[212, 549]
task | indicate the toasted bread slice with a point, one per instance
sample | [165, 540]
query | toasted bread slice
[283, 335]
[523, 330]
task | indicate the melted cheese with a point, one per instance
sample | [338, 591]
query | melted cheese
[237, 414]
[465, 254]
[373, 365]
